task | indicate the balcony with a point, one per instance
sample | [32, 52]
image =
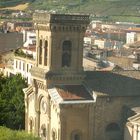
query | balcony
[20, 53]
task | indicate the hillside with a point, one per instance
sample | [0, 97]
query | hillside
[8, 3]
[20, 7]
[108, 10]
[97, 7]
[127, 10]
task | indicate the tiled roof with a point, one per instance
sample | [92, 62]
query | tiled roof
[134, 106]
[122, 83]
[135, 74]
[133, 29]
[2, 65]
[8, 41]
[73, 92]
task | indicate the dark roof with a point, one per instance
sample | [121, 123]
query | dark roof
[134, 105]
[125, 83]
[122, 62]
[73, 92]
[10, 41]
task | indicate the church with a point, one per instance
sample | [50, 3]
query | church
[64, 102]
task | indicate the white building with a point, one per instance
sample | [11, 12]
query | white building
[131, 37]
[23, 62]
[87, 40]
[29, 38]
[103, 43]
[110, 44]
[23, 66]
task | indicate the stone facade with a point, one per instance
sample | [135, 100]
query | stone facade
[59, 62]
[110, 111]
[64, 102]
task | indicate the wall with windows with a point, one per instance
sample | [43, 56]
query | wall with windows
[23, 66]
[55, 123]
[64, 48]
[110, 118]
[31, 115]
[73, 126]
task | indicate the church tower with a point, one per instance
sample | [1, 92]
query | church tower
[60, 46]
[58, 105]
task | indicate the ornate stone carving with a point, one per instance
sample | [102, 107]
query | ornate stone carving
[38, 72]
[45, 17]
[41, 27]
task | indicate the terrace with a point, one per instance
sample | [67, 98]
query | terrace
[20, 53]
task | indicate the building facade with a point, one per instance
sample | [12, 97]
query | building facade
[60, 96]
[64, 102]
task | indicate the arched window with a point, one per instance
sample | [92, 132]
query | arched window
[40, 52]
[76, 135]
[45, 52]
[113, 132]
[66, 53]
[31, 124]
[43, 105]
[43, 131]
[53, 134]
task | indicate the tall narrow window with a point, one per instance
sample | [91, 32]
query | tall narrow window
[16, 64]
[45, 52]
[20, 65]
[23, 66]
[53, 135]
[43, 131]
[76, 137]
[66, 53]
[27, 68]
[40, 52]
[31, 125]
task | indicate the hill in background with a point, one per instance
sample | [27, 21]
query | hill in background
[127, 10]
[8, 3]
[114, 10]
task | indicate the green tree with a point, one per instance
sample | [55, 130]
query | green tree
[12, 102]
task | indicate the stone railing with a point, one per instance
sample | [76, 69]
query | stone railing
[60, 18]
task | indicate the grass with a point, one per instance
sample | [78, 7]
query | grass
[115, 10]
[134, 19]
[8, 134]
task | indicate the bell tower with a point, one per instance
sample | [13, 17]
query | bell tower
[58, 104]
[60, 46]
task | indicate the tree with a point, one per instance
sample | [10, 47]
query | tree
[12, 102]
